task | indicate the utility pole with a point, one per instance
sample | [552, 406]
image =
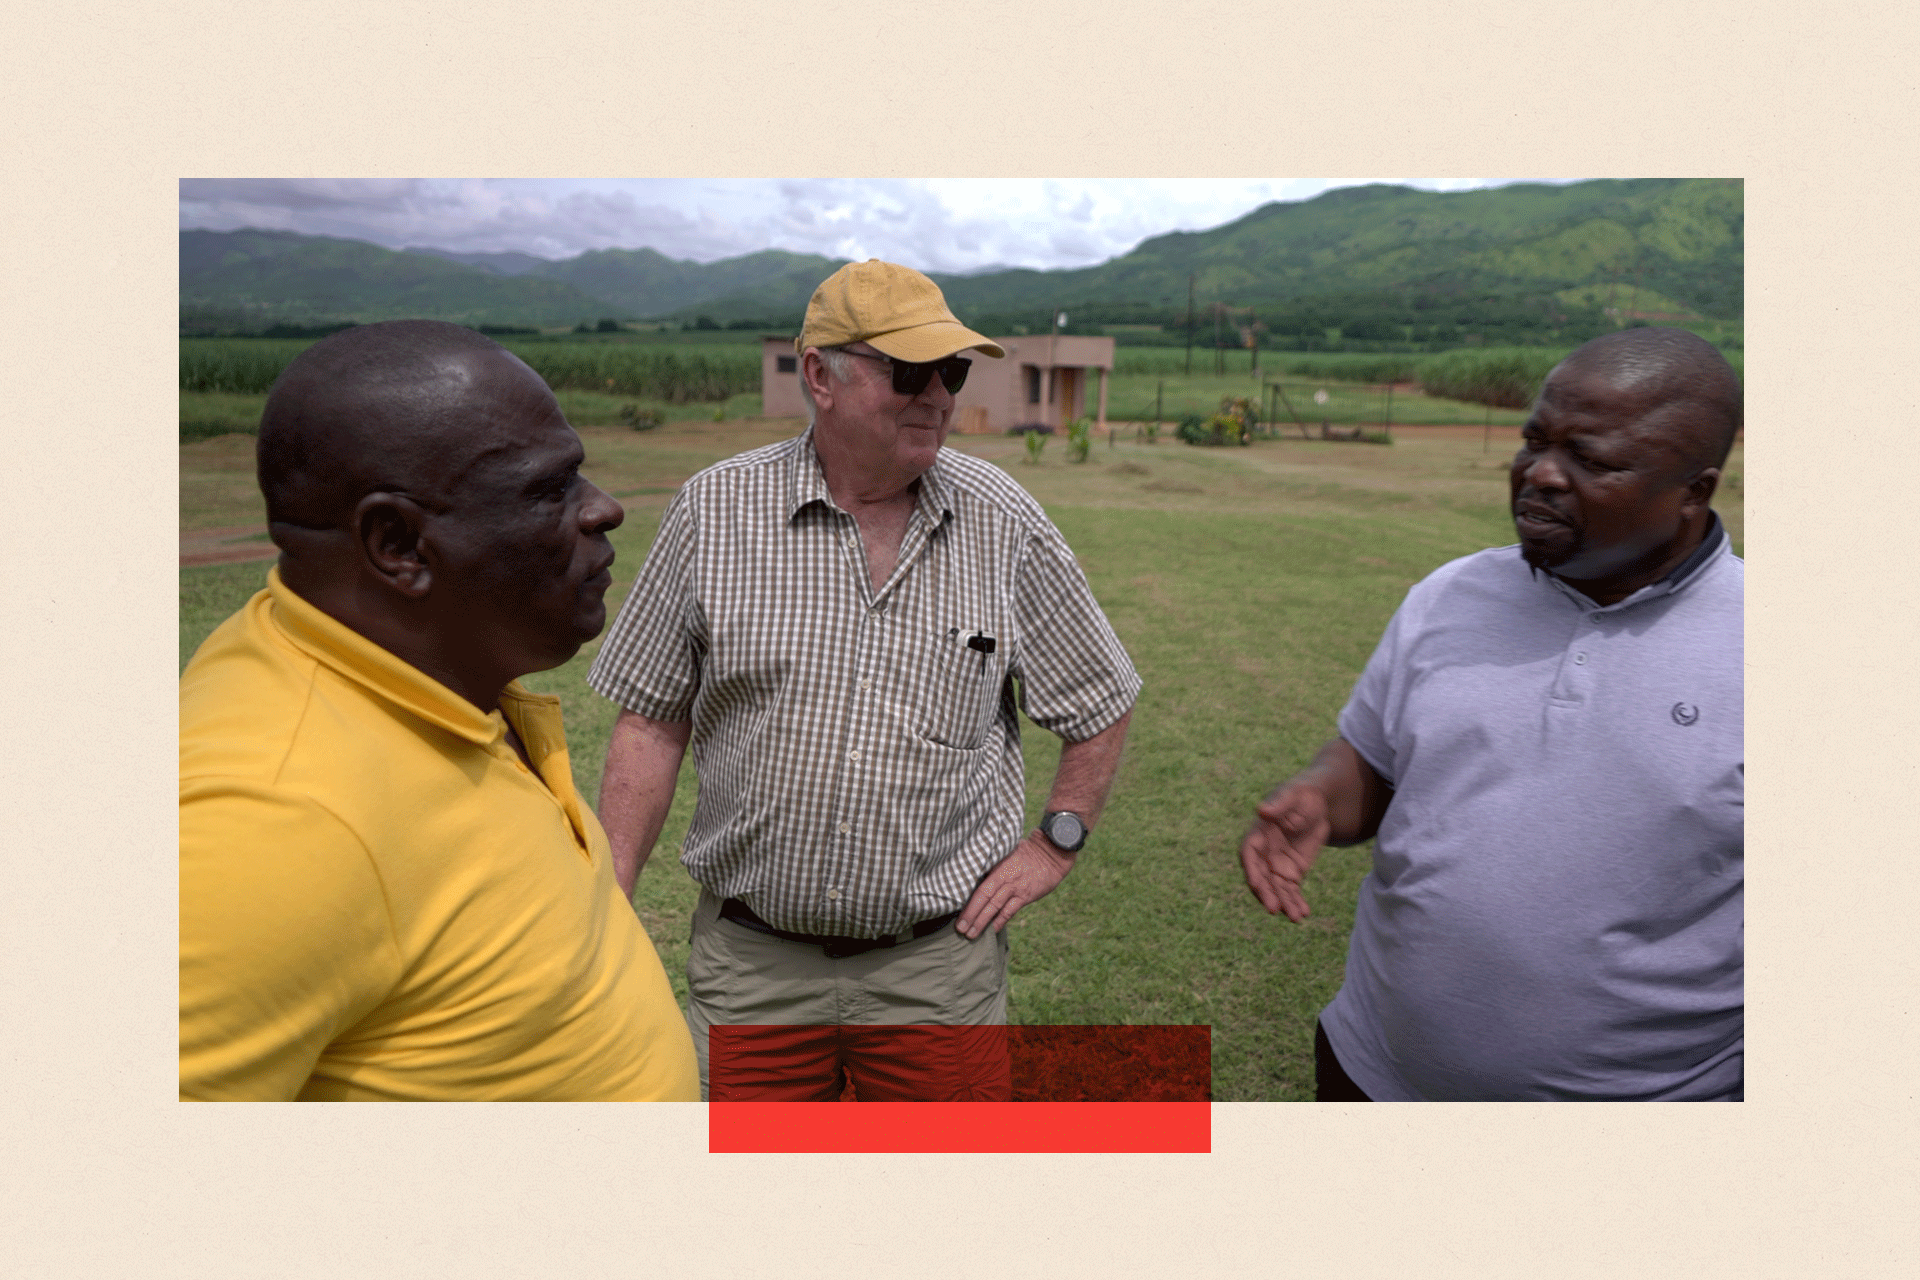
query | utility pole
[1053, 373]
[1189, 325]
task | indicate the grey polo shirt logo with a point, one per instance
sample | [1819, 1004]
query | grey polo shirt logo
[1685, 713]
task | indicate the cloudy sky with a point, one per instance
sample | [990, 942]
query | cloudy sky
[960, 224]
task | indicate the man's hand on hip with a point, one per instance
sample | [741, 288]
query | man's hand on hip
[1026, 875]
[1289, 830]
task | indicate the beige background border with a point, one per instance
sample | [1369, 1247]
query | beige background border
[110, 104]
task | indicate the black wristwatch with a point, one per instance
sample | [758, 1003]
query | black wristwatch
[1067, 830]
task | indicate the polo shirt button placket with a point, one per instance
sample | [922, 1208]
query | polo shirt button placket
[1582, 656]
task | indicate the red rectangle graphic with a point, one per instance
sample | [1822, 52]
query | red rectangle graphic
[925, 1089]
[1004, 1127]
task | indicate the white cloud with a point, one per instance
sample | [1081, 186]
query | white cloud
[954, 224]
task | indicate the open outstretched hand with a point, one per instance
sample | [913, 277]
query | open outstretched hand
[1290, 828]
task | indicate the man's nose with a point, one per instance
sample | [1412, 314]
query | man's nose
[1541, 472]
[600, 513]
[936, 393]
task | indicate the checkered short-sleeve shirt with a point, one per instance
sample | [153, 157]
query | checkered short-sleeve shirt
[859, 764]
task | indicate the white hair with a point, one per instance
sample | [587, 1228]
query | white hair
[839, 362]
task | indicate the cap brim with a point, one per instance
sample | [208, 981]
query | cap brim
[937, 341]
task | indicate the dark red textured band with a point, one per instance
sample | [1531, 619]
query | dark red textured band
[1071, 1088]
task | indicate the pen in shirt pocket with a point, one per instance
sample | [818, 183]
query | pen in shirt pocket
[979, 641]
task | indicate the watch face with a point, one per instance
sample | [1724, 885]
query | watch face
[1066, 831]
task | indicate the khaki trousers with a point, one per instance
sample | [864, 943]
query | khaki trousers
[738, 976]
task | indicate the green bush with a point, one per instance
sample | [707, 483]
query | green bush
[1079, 439]
[640, 419]
[1036, 444]
[1223, 428]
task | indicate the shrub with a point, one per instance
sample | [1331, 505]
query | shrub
[1220, 429]
[1079, 439]
[1243, 411]
[1036, 442]
[640, 419]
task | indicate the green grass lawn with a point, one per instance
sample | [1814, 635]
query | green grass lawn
[1249, 585]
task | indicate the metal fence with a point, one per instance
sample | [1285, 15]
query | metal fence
[1289, 408]
[1328, 410]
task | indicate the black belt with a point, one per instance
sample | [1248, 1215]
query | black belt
[834, 947]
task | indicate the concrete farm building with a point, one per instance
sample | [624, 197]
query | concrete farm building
[1042, 380]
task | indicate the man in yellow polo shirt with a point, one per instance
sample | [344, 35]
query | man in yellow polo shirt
[389, 888]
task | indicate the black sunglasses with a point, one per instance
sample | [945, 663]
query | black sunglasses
[911, 379]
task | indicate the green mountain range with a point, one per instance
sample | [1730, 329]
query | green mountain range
[252, 279]
[1678, 242]
[1382, 261]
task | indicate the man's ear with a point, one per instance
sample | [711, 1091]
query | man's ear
[390, 528]
[819, 379]
[1700, 490]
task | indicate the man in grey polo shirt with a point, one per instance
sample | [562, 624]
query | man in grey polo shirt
[1547, 749]
[835, 624]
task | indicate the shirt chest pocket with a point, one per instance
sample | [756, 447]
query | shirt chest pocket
[965, 668]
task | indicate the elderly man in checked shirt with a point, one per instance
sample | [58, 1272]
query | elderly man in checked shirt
[838, 625]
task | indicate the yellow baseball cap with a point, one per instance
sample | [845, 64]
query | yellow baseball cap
[892, 308]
